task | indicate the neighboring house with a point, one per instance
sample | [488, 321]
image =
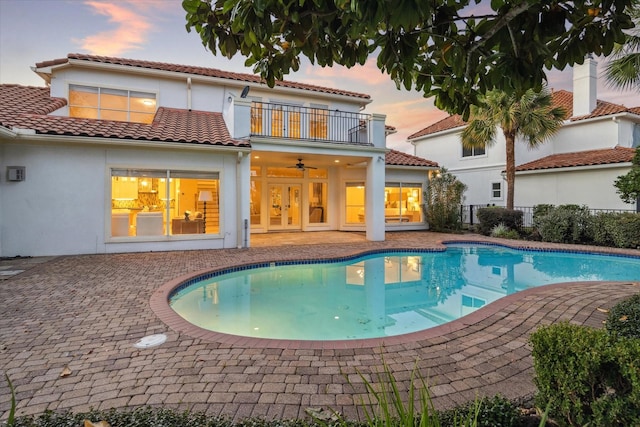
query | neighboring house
[120, 155]
[578, 165]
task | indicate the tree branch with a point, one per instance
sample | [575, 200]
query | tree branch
[497, 27]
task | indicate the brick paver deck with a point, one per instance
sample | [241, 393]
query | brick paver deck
[86, 312]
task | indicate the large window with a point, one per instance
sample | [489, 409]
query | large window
[111, 104]
[472, 152]
[402, 202]
[355, 213]
[317, 202]
[256, 195]
[318, 121]
[161, 202]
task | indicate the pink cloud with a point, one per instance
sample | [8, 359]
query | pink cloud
[130, 32]
[367, 74]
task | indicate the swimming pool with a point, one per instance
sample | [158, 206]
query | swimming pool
[382, 294]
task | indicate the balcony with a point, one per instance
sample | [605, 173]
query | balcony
[312, 124]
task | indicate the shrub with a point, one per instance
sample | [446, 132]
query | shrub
[620, 230]
[626, 233]
[565, 224]
[491, 217]
[538, 212]
[502, 231]
[624, 318]
[603, 226]
[587, 376]
[444, 198]
[487, 412]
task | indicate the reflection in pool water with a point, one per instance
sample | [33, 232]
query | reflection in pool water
[384, 294]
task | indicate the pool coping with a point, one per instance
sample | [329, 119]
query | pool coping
[159, 303]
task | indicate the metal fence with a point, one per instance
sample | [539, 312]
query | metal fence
[317, 124]
[469, 213]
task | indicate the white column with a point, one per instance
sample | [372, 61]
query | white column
[377, 131]
[243, 195]
[240, 127]
[374, 198]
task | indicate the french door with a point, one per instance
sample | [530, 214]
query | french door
[285, 212]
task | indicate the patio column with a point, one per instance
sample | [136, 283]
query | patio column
[243, 195]
[374, 198]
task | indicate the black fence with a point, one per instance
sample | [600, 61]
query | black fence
[469, 213]
[317, 124]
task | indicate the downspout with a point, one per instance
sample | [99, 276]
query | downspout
[189, 93]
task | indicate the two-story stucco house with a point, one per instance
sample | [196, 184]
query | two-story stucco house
[577, 166]
[120, 155]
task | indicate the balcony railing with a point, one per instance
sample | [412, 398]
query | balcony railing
[316, 124]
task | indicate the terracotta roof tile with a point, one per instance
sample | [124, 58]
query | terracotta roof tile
[581, 158]
[397, 158]
[27, 108]
[450, 122]
[564, 99]
[561, 98]
[201, 71]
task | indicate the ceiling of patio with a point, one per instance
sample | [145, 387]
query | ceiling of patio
[315, 160]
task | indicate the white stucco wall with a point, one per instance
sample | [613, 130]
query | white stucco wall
[593, 188]
[63, 207]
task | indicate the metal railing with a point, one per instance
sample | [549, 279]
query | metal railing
[316, 124]
[469, 213]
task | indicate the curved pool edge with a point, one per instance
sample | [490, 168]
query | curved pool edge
[159, 304]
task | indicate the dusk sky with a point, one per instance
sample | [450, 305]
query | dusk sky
[32, 31]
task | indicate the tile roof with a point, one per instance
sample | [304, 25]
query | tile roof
[200, 71]
[397, 158]
[581, 158]
[450, 122]
[27, 107]
[561, 98]
[564, 99]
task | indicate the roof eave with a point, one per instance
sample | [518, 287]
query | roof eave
[575, 168]
[28, 134]
[434, 134]
[45, 73]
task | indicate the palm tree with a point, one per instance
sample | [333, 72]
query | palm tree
[623, 71]
[531, 116]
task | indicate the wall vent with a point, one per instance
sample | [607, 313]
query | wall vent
[16, 173]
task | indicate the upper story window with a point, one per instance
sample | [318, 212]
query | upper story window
[471, 152]
[93, 102]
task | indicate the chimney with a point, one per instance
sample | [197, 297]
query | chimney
[584, 87]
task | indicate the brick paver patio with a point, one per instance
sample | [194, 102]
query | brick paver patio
[86, 312]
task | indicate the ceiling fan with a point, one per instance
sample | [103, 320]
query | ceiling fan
[301, 166]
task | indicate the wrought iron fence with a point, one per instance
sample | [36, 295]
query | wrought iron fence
[317, 124]
[469, 213]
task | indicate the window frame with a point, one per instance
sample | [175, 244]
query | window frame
[102, 110]
[164, 175]
[473, 152]
[493, 190]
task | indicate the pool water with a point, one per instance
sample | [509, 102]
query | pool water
[384, 294]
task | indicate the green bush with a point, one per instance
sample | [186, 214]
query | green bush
[587, 376]
[538, 212]
[502, 231]
[603, 228]
[493, 216]
[565, 224]
[621, 230]
[443, 200]
[487, 412]
[624, 318]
